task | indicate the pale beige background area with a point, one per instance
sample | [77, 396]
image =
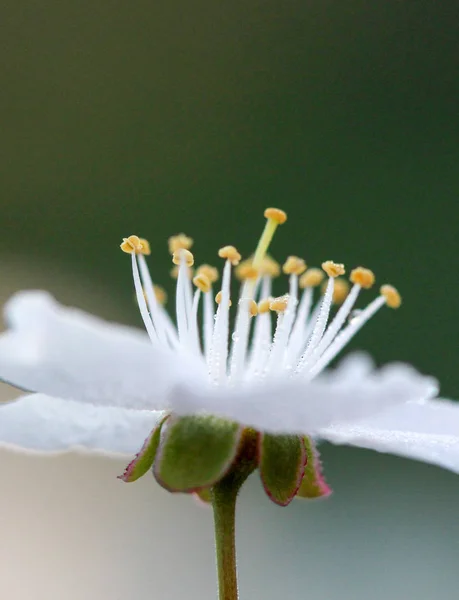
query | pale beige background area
[71, 531]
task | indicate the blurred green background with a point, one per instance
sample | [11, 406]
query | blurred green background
[160, 117]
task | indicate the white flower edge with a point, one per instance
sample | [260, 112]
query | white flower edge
[66, 353]
[41, 424]
[424, 431]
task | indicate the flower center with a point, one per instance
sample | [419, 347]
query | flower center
[292, 334]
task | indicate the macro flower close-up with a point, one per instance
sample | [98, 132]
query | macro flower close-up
[213, 389]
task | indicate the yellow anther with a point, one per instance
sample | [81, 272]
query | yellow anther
[312, 278]
[294, 266]
[245, 270]
[333, 269]
[393, 298]
[363, 277]
[160, 294]
[263, 305]
[279, 304]
[277, 215]
[183, 255]
[210, 272]
[134, 244]
[218, 299]
[270, 267]
[253, 308]
[179, 242]
[231, 254]
[202, 282]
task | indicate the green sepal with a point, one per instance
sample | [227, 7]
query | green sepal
[313, 484]
[144, 458]
[282, 460]
[195, 452]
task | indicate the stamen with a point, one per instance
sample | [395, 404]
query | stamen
[279, 304]
[253, 308]
[338, 321]
[210, 272]
[179, 242]
[219, 297]
[319, 326]
[202, 282]
[298, 334]
[274, 218]
[231, 254]
[333, 269]
[141, 299]
[183, 255]
[135, 245]
[263, 305]
[150, 296]
[363, 277]
[262, 335]
[312, 278]
[208, 325]
[294, 266]
[345, 336]
[391, 296]
[219, 351]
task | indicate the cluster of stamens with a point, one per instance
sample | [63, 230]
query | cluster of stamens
[304, 340]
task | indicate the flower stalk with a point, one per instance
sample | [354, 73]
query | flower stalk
[224, 496]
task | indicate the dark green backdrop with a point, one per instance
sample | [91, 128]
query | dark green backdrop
[156, 117]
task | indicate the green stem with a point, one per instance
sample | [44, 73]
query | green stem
[224, 496]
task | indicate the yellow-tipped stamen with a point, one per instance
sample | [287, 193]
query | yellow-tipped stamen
[363, 277]
[253, 308]
[210, 272]
[183, 254]
[134, 244]
[333, 269]
[279, 305]
[274, 218]
[276, 214]
[311, 278]
[179, 242]
[393, 298]
[231, 254]
[160, 294]
[294, 266]
[263, 306]
[202, 282]
[218, 298]
[245, 270]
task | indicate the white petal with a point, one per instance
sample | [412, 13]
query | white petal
[43, 424]
[66, 353]
[427, 431]
[353, 367]
[297, 406]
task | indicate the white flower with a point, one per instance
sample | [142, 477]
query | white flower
[102, 386]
